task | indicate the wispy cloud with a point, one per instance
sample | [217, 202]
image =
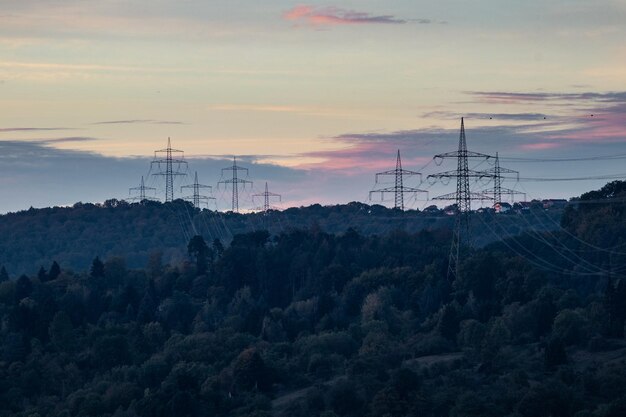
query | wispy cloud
[33, 129]
[331, 16]
[138, 121]
[515, 97]
[585, 116]
[67, 140]
[448, 115]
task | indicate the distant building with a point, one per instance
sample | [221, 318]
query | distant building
[522, 206]
[502, 207]
[554, 203]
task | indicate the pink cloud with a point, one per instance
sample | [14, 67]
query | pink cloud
[363, 159]
[330, 16]
[298, 12]
[540, 146]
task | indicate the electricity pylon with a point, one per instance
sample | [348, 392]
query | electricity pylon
[497, 174]
[267, 195]
[142, 191]
[169, 173]
[196, 197]
[463, 197]
[398, 189]
[235, 181]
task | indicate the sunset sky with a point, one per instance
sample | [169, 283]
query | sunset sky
[312, 97]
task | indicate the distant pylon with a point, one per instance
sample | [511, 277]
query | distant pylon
[497, 174]
[235, 181]
[463, 197]
[142, 191]
[399, 189]
[169, 173]
[196, 197]
[267, 195]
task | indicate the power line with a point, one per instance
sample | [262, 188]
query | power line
[463, 197]
[497, 173]
[577, 159]
[398, 189]
[196, 197]
[169, 173]
[142, 191]
[267, 196]
[235, 181]
[589, 178]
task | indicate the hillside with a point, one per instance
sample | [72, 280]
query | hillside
[311, 323]
[73, 236]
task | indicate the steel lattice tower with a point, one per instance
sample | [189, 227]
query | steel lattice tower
[196, 197]
[267, 195]
[463, 197]
[235, 181]
[399, 189]
[142, 191]
[169, 173]
[497, 173]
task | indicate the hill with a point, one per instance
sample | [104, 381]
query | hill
[311, 323]
[73, 236]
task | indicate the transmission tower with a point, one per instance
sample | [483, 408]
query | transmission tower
[234, 182]
[166, 157]
[142, 191]
[398, 189]
[496, 173]
[196, 197]
[267, 195]
[463, 197]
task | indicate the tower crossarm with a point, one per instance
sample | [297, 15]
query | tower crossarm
[140, 188]
[504, 191]
[394, 172]
[456, 174]
[459, 154]
[196, 186]
[236, 180]
[499, 171]
[470, 196]
[200, 197]
[268, 194]
[401, 190]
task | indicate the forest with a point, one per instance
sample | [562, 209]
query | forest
[317, 322]
[34, 238]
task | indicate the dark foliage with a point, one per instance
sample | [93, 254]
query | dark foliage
[313, 323]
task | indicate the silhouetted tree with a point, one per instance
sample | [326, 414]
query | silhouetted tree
[42, 274]
[198, 250]
[97, 268]
[23, 287]
[4, 276]
[55, 271]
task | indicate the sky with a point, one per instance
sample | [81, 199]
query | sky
[313, 98]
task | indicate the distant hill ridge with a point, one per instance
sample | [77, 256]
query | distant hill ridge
[74, 235]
